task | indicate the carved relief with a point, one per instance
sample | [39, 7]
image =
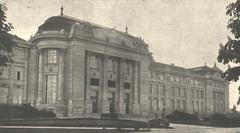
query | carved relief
[84, 29]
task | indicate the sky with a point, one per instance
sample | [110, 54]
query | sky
[184, 32]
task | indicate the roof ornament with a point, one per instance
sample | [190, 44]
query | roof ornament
[61, 10]
[205, 63]
[126, 29]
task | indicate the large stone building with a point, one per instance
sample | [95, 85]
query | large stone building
[74, 68]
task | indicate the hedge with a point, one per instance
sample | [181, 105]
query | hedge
[22, 112]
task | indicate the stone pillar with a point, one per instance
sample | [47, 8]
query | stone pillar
[121, 104]
[69, 81]
[60, 93]
[40, 78]
[135, 106]
[104, 87]
[88, 102]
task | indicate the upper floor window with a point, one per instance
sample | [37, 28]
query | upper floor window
[19, 73]
[5, 73]
[52, 56]
[94, 62]
[111, 65]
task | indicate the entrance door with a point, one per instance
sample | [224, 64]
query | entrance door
[112, 103]
[95, 103]
[127, 103]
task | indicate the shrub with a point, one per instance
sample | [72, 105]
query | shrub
[181, 116]
[225, 119]
[23, 111]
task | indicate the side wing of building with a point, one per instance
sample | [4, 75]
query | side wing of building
[13, 81]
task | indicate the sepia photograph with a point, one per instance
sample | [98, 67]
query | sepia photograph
[119, 66]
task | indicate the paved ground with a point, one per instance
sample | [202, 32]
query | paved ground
[176, 128]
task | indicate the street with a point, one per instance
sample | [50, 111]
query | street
[175, 128]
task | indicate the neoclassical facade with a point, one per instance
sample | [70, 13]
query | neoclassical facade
[76, 68]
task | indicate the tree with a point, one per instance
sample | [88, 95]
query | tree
[6, 42]
[230, 52]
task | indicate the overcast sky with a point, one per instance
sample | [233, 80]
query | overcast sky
[184, 32]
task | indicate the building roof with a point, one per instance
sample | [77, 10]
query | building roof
[79, 27]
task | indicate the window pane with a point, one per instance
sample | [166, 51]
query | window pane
[111, 83]
[52, 56]
[94, 82]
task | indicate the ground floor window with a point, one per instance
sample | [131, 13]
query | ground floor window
[17, 95]
[50, 93]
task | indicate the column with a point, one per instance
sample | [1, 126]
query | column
[104, 87]
[121, 104]
[60, 93]
[40, 78]
[135, 106]
[88, 102]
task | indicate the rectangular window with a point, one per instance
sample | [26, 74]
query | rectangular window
[3, 95]
[201, 94]
[94, 82]
[193, 108]
[18, 75]
[19, 72]
[172, 92]
[5, 73]
[111, 84]
[179, 92]
[173, 104]
[51, 89]
[183, 92]
[52, 56]
[197, 94]
[127, 85]
[17, 95]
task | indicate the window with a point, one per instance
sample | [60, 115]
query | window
[93, 62]
[5, 73]
[202, 107]
[192, 93]
[163, 102]
[193, 108]
[183, 105]
[111, 83]
[3, 94]
[19, 73]
[173, 104]
[201, 94]
[51, 89]
[94, 82]
[162, 90]
[197, 94]
[52, 56]
[127, 67]
[179, 92]
[127, 85]
[17, 95]
[172, 91]
[183, 92]
[178, 105]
